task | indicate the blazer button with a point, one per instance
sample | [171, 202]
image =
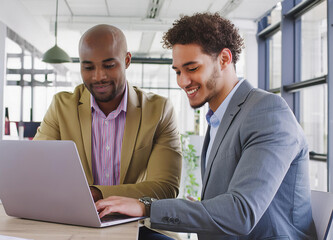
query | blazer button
[177, 220]
[165, 219]
[172, 220]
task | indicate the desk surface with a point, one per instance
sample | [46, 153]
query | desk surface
[30, 229]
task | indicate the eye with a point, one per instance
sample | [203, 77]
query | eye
[193, 69]
[178, 73]
[88, 68]
[108, 66]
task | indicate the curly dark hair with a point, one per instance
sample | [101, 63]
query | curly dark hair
[210, 31]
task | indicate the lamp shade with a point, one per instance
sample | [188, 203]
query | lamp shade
[56, 55]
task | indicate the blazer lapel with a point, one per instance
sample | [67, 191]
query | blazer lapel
[233, 108]
[133, 120]
[84, 110]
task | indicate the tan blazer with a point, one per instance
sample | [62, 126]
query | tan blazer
[150, 154]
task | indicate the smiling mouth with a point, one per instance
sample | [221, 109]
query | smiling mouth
[190, 92]
[101, 88]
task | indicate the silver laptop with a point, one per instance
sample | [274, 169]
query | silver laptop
[44, 180]
[329, 228]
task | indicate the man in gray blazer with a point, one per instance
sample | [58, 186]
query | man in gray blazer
[255, 157]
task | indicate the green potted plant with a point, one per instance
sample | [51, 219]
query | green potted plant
[191, 164]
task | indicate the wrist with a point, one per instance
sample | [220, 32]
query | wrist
[147, 202]
[96, 193]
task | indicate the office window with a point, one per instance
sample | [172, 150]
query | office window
[12, 100]
[14, 63]
[303, 36]
[313, 117]
[156, 76]
[134, 74]
[275, 61]
[26, 76]
[12, 47]
[26, 104]
[314, 42]
[173, 79]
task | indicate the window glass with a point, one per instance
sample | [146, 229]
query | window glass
[39, 64]
[26, 103]
[313, 119]
[318, 175]
[40, 78]
[156, 75]
[12, 47]
[314, 43]
[240, 65]
[275, 61]
[173, 78]
[27, 77]
[12, 100]
[13, 77]
[161, 92]
[14, 63]
[134, 74]
[19, 98]
[40, 102]
[175, 98]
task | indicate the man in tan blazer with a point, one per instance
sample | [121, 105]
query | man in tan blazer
[150, 155]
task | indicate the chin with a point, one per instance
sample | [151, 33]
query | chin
[197, 105]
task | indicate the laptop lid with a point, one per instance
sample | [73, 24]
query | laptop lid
[44, 180]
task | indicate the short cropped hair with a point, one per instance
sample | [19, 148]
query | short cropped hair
[210, 31]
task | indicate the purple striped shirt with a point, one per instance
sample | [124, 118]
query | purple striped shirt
[107, 136]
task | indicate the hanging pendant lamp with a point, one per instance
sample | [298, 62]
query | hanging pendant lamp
[56, 54]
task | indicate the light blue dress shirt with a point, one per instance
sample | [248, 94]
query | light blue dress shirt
[214, 118]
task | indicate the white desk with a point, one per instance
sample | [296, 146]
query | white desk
[38, 230]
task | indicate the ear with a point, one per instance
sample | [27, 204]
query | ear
[225, 58]
[128, 59]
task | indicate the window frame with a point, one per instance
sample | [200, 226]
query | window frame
[291, 84]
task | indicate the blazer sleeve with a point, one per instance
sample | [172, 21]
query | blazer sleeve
[163, 164]
[270, 140]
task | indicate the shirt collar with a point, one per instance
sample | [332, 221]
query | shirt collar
[121, 107]
[214, 118]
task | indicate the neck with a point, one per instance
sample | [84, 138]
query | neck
[229, 83]
[108, 107]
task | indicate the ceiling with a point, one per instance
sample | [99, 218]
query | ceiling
[143, 21]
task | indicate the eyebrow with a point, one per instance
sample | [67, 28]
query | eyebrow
[185, 64]
[109, 59]
[105, 60]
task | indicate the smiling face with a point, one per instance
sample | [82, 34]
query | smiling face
[201, 75]
[104, 59]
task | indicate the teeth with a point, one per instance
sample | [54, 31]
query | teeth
[192, 91]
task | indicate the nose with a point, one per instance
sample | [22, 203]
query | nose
[99, 74]
[183, 80]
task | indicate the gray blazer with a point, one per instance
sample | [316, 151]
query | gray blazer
[256, 184]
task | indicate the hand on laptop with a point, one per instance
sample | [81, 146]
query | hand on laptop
[129, 206]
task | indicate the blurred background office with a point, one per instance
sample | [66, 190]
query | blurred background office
[288, 52]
